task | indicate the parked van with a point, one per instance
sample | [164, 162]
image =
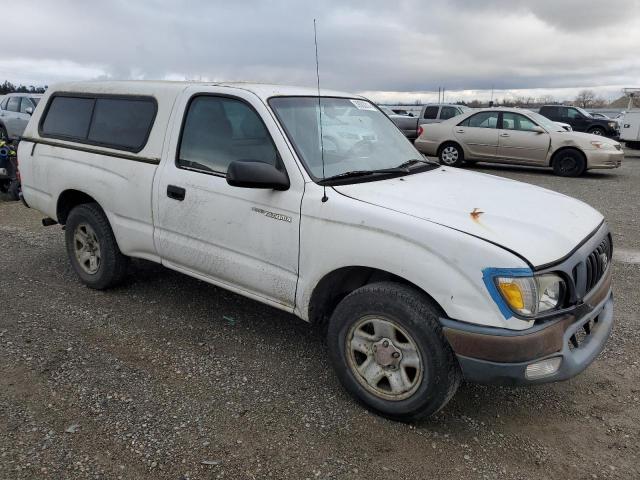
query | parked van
[422, 274]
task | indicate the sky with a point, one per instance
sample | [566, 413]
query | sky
[391, 51]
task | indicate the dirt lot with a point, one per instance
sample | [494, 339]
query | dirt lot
[168, 377]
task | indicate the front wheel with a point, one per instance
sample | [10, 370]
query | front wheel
[596, 131]
[92, 248]
[569, 163]
[387, 348]
[451, 155]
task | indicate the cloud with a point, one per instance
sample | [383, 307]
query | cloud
[374, 46]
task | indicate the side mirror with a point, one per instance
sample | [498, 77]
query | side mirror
[28, 110]
[538, 129]
[250, 174]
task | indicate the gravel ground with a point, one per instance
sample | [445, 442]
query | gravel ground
[168, 377]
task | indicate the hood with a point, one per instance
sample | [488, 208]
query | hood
[541, 225]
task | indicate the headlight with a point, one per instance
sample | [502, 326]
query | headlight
[529, 296]
[612, 124]
[602, 145]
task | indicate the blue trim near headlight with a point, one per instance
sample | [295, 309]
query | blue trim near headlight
[488, 276]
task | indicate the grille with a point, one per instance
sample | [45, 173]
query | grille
[596, 263]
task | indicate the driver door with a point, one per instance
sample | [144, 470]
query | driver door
[244, 239]
[519, 142]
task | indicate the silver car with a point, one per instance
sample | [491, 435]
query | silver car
[15, 111]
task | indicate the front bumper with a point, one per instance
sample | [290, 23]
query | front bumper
[500, 356]
[604, 159]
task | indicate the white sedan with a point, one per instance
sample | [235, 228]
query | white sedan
[517, 136]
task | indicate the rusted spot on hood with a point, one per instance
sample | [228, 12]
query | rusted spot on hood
[475, 215]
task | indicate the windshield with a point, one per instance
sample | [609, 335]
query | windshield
[545, 122]
[35, 100]
[356, 136]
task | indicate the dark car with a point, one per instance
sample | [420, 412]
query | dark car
[581, 120]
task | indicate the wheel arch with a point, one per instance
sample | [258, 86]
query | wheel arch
[450, 142]
[68, 200]
[339, 283]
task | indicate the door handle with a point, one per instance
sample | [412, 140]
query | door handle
[460, 130]
[176, 193]
[505, 135]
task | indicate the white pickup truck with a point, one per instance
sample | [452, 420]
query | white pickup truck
[422, 274]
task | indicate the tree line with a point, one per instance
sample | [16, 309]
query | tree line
[8, 87]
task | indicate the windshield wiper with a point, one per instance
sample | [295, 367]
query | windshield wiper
[414, 161]
[363, 173]
[402, 168]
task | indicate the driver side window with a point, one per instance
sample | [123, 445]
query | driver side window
[221, 130]
[573, 114]
[515, 121]
[26, 103]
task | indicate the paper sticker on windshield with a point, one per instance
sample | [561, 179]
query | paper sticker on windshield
[362, 105]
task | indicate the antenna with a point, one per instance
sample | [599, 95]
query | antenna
[315, 39]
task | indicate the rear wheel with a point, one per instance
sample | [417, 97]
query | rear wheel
[387, 348]
[92, 248]
[568, 163]
[451, 155]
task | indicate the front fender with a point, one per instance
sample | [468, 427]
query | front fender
[445, 263]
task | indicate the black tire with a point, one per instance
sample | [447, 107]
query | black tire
[112, 266]
[569, 163]
[3, 134]
[596, 131]
[434, 384]
[451, 154]
[14, 190]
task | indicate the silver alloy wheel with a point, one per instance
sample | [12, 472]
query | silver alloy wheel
[384, 358]
[87, 248]
[449, 155]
